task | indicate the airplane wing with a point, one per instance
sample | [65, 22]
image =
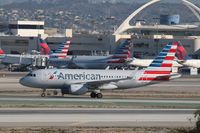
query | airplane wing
[72, 64]
[96, 84]
[16, 59]
[26, 59]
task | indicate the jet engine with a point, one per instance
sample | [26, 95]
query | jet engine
[75, 89]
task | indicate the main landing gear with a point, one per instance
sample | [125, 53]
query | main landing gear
[43, 94]
[96, 95]
[55, 92]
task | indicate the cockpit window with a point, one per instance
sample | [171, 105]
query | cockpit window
[29, 74]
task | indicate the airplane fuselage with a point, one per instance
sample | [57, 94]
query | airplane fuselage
[80, 81]
[146, 62]
[191, 63]
[87, 62]
[61, 78]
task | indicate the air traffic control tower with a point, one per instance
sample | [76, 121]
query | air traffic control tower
[169, 27]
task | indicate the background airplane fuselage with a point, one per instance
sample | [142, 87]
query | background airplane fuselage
[146, 62]
[87, 62]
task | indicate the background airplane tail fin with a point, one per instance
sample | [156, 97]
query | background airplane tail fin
[181, 52]
[44, 47]
[1, 52]
[62, 50]
[161, 67]
[124, 49]
[123, 52]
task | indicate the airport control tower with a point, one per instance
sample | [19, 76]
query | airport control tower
[167, 28]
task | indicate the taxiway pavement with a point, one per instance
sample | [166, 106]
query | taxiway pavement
[96, 117]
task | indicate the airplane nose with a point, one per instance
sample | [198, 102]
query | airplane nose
[28, 82]
[21, 81]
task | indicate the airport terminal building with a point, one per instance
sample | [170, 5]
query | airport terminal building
[23, 38]
[147, 39]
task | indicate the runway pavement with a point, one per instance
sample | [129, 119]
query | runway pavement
[77, 102]
[84, 117]
[191, 85]
[179, 93]
[169, 104]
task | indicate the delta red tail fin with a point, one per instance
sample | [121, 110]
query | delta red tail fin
[44, 46]
[181, 52]
[1, 52]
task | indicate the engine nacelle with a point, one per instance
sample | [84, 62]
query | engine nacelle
[75, 89]
[108, 87]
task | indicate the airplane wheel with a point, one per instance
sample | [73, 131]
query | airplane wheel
[99, 95]
[93, 95]
[43, 95]
[55, 92]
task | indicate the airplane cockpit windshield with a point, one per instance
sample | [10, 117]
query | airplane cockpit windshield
[31, 75]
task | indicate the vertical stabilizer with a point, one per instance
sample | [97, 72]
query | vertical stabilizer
[161, 66]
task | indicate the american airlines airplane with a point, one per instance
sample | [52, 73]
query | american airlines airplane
[121, 56]
[27, 59]
[60, 57]
[182, 60]
[81, 81]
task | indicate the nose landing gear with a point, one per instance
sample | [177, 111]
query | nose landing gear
[43, 93]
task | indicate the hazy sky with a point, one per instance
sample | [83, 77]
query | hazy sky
[139, 1]
[174, 1]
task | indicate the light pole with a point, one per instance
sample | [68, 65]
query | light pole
[156, 40]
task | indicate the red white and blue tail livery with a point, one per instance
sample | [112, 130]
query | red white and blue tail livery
[122, 54]
[62, 51]
[161, 66]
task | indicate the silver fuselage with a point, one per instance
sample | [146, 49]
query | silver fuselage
[61, 78]
[86, 62]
